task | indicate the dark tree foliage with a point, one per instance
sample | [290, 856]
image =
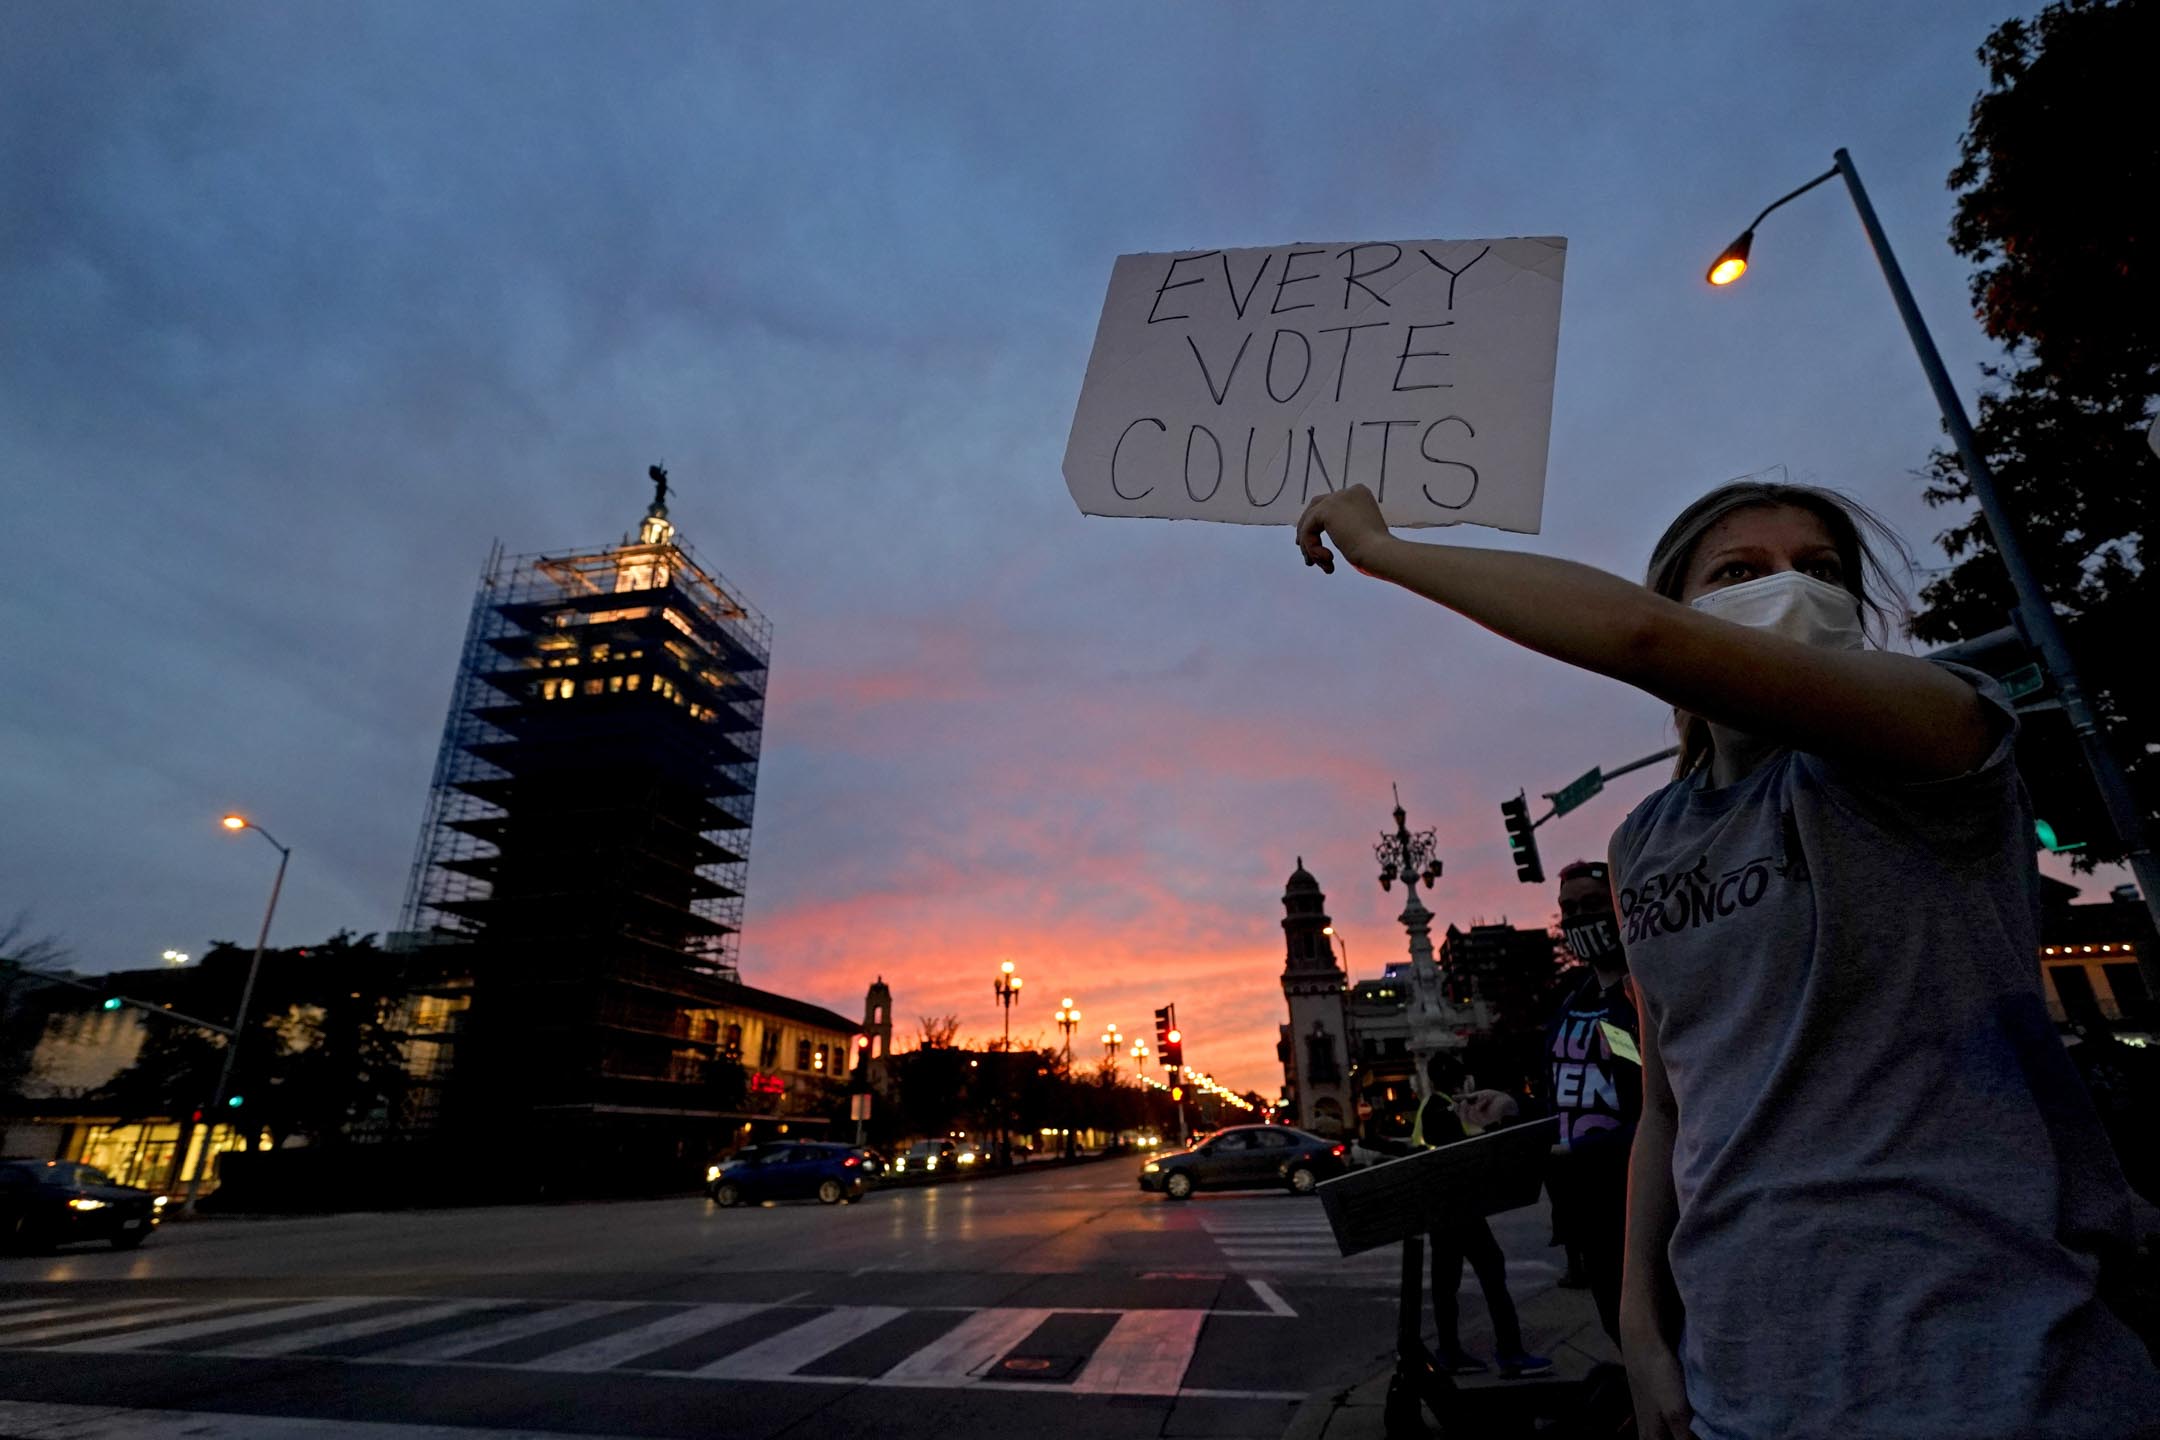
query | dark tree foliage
[320, 1056]
[2059, 172]
[22, 1018]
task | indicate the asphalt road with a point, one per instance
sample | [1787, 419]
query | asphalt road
[1064, 1302]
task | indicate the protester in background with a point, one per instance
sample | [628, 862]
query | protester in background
[1869, 1195]
[1595, 1088]
[1467, 1239]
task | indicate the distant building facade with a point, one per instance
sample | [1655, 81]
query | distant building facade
[1353, 1054]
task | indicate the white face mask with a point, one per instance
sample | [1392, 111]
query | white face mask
[1797, 606]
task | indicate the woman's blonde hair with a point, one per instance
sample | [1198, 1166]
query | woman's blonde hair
[1851, 526]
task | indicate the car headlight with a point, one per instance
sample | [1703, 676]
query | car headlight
[967, 1157]
[712, 1173]
[1151, 1167]
[83, 1202]
[899, 1164]
[159, 1203]
[930, 1164]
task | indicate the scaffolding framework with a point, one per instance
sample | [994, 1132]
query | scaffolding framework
[598, 767]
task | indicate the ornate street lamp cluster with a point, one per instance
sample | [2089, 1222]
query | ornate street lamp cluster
[1407, 855]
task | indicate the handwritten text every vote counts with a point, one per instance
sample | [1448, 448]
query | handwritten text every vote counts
[1236, 384]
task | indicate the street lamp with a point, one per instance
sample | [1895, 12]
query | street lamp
[1112, 1042]
[175, 957]
[2035, 617]
[247, 993]
[1007, 989]
[1068, 1020]
[1329, 931]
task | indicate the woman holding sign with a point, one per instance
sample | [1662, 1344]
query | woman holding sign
[1868, 1196]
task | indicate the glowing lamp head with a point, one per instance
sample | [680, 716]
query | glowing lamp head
[1007, 967]
[234, 822]
[1732, 263]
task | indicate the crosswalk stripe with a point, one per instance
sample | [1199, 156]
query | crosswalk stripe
[460, 1343]
[292, 1342]
[1145, 1353]
[24, 1304]
[31, 1420]
[969, 1348]
[611, 1350]
[166, 1334]
[783, 1354]
[62, 1312]
[117, 1320]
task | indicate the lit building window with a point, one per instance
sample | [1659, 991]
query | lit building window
[636, 681]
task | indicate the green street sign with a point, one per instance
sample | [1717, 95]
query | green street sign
[2022, 682]
[1576, 791]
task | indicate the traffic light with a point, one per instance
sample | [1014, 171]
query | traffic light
[1522, 840]
[112, 1002]
[1177, 1093]
[1173, 1050]
[234, 1102]
[1162, 1028]
[2068, 813]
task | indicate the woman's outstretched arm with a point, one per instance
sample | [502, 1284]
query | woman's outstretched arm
[1869, 707]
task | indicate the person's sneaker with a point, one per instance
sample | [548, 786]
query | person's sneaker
[1523, 1365]
[1462, 1363]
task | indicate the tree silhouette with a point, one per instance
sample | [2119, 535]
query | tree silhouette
[2058, 161]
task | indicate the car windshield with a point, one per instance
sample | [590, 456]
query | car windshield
[926, 1147]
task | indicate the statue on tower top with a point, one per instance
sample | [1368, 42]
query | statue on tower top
[656, 530]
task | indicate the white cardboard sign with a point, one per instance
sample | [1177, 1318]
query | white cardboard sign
[1237, 384]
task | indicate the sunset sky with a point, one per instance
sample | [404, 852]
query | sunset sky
[302, 307]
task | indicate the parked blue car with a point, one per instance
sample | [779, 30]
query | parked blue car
[796, 1170]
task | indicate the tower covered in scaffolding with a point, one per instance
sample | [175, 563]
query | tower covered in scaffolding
[578, 885]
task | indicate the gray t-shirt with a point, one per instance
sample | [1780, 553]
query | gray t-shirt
[1884, 1159]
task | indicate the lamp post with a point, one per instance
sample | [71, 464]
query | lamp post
[247, 994]
[1112, 1042]
[1068, 1020]
[1329, 931]
[1412, 857]
[2034, 616]
[1007, 989]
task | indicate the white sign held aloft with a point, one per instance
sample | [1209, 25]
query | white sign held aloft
[1237, 384]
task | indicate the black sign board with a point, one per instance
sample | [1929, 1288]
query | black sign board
[1483, 1175]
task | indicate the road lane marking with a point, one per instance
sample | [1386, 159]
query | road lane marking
[460, 1343]
[778, 1356]
[1275, 1303]
[165, 1334]
[118, 1321]
[1145, 1353]
[291, 1342]
[609, 1351]
[961, 1354]
[62, 1312]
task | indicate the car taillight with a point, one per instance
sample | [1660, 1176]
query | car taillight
[857, 1159]
[1338, 1150]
